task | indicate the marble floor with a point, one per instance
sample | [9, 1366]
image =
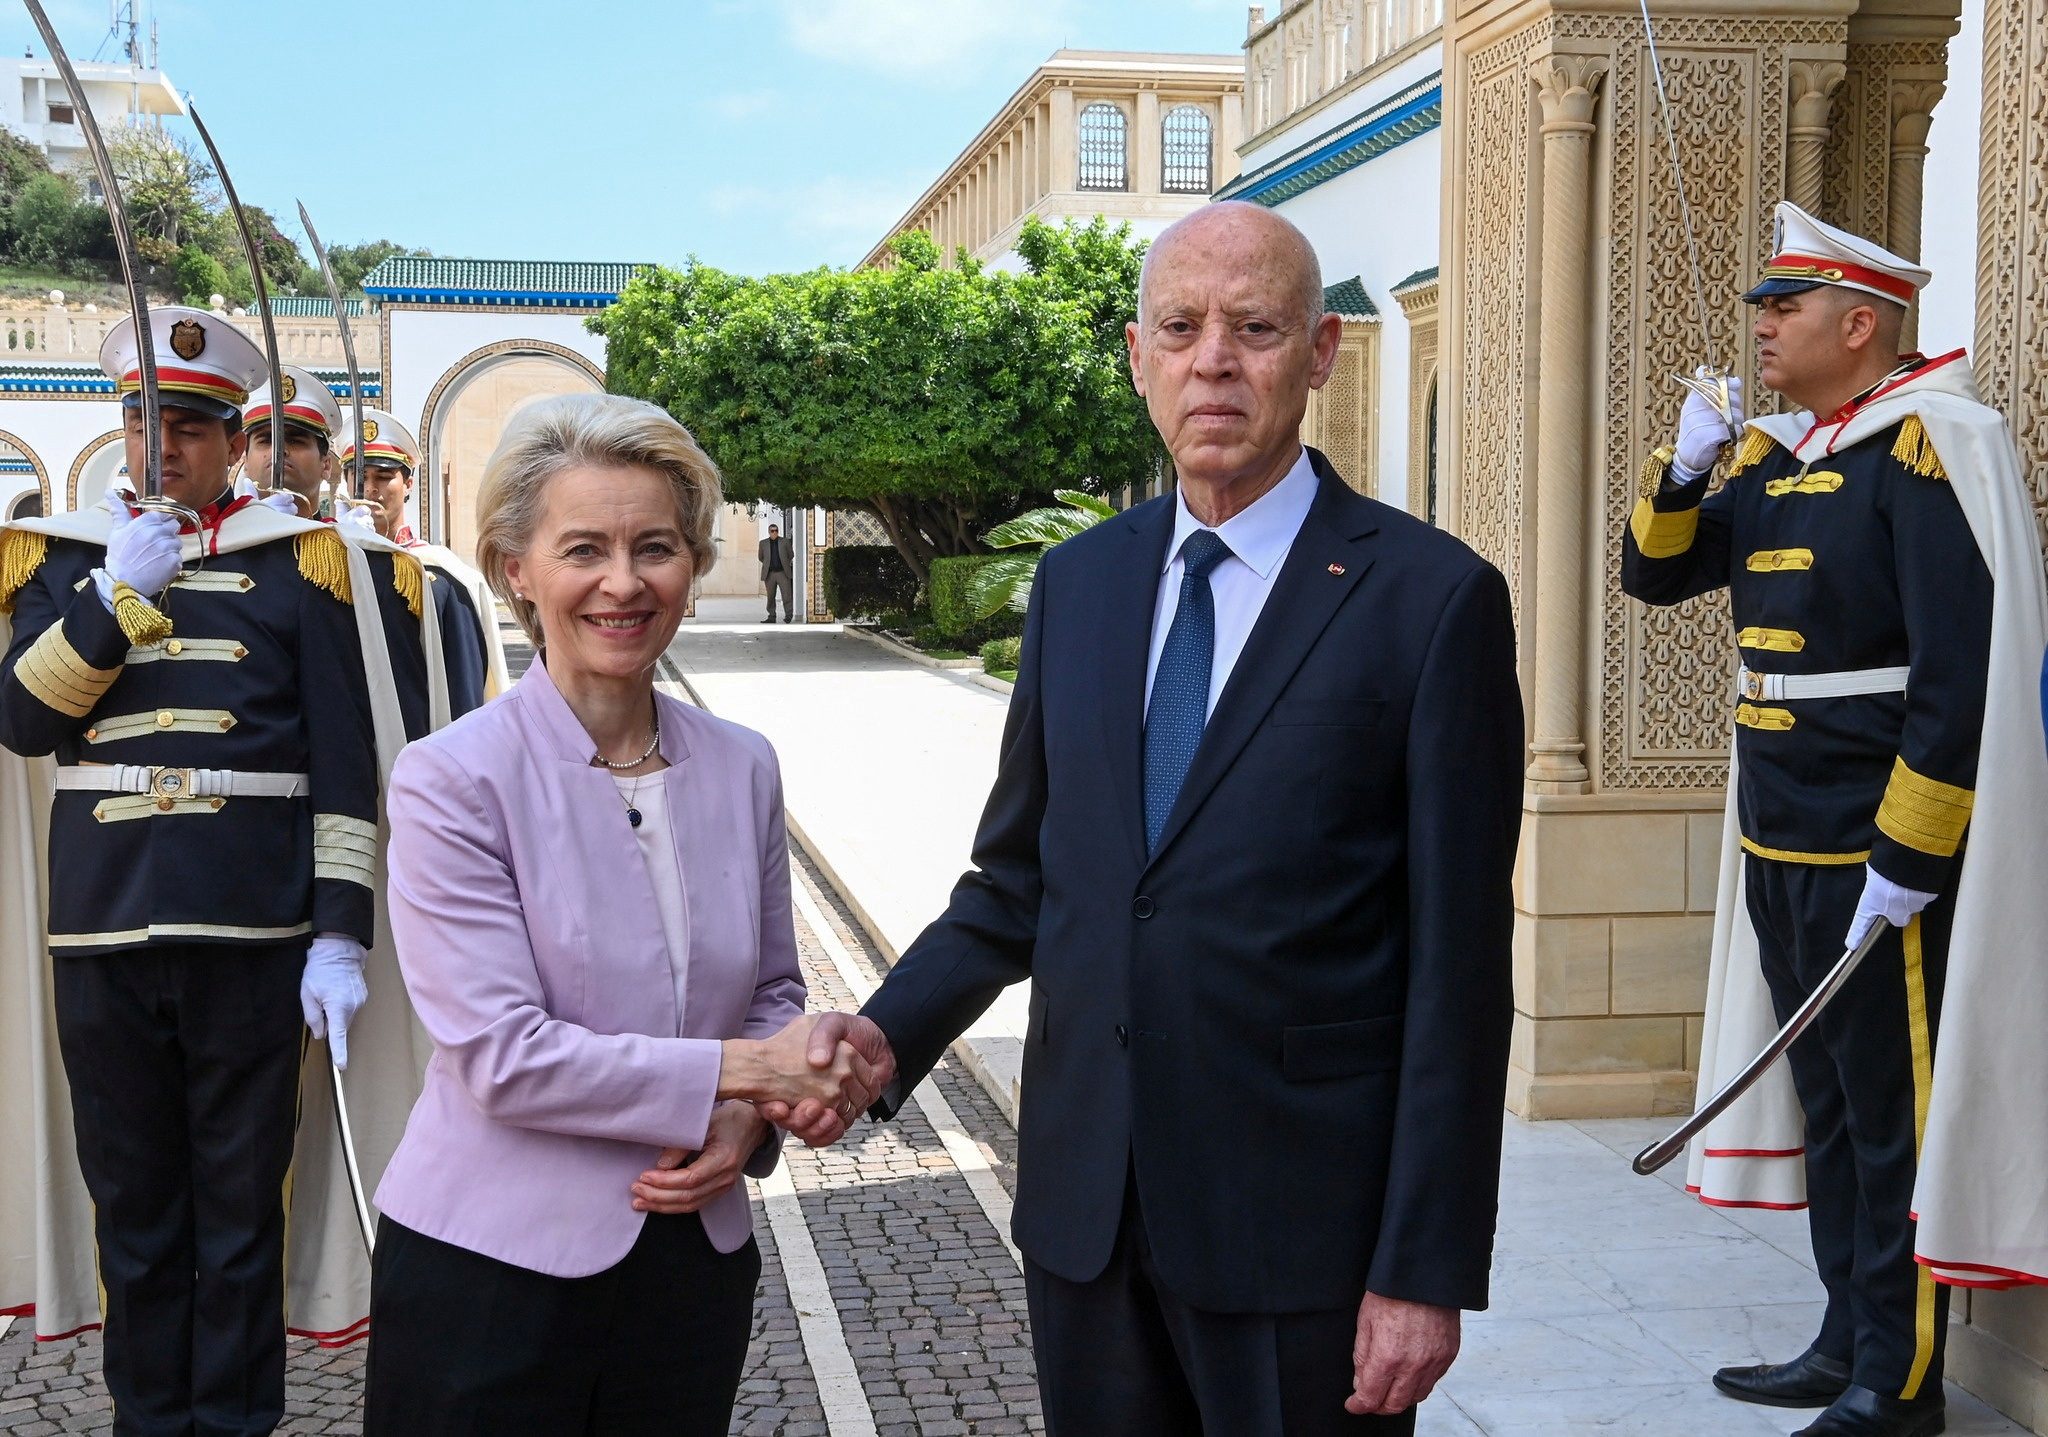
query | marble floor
[1616, 1296]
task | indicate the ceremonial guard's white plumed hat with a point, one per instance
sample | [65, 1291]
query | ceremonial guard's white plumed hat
[307, 403]
[386, 442]
[1806, 254]
[202, 362]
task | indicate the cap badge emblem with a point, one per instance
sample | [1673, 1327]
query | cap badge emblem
[188, 339]
[369, 431]
[290, 389]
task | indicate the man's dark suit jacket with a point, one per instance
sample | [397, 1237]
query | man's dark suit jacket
[762, 550]
[1291, 1023]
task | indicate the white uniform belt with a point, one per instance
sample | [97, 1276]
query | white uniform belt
[1847, 684]
[179, 782]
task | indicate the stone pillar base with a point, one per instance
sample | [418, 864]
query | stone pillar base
[2001, 1352]
[1614, 899]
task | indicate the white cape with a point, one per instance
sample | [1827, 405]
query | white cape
[1982, 1194]
[47, 1264]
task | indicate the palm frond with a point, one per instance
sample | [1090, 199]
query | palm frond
[1037, 526]
[1004, 582]
[1094, 504]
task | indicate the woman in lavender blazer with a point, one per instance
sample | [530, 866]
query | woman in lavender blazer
[590, 898]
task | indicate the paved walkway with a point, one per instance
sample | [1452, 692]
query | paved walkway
[1615, 1296]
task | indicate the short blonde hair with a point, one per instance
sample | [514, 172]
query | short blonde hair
[600, 431]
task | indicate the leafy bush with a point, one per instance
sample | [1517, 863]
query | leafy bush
[954, 607]
[199, 275]
[864, 581]
[46, 223]
[1002, 655]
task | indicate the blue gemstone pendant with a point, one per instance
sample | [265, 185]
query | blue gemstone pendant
[633, 817]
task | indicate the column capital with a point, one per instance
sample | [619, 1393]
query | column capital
[1569, 88]
[1813, 84]
[1913, 105]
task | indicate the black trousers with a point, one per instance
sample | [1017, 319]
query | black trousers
[1121, 1356]
[1862, 1073]
[463, 1345]
[184, 1069]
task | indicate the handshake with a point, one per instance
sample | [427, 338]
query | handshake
[814, 1077]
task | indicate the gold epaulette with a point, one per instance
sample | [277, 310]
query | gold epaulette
[323, 560]
[409, 578]
[21, 553]
[1756, 447]
[1916, 451]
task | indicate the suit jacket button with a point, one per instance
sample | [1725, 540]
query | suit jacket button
[1141, 907]
[1123, 1036]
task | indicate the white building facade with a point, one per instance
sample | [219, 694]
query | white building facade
[35, 104]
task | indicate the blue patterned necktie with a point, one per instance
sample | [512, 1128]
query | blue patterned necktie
[1179, 709]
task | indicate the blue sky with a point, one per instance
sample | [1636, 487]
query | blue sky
[759, 135]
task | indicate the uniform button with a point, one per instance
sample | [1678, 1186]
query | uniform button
[166, 804]
[175, 647]
[91, 734]
[164, 718]
[1123, 1036]
[1141, 907]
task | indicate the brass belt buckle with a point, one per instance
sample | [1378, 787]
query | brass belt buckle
[1752, 685]
[170, 784]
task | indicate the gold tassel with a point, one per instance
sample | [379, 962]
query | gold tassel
[1916, 451]
[410, 580]
[1756, 447]
[141, 621]
[1653, 473]
[21, 553]
[323, 560]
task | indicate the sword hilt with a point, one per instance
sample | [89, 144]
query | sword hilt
[187, 517]
[1710, 382]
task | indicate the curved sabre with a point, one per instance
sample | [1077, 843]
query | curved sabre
[348, 350]
[255, 258]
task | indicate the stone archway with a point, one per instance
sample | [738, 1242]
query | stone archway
[103, 467]
[466, 412]
[14, 452]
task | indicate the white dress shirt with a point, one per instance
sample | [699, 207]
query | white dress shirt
[1259, 539]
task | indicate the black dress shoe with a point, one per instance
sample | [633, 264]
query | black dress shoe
[1808, 1380]
[1859, 1412]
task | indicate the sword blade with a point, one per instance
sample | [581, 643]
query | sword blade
[255, 258]
[364, 1220]
[150, 483]
[1657, 1154]
[1692, 244]
[348, 346]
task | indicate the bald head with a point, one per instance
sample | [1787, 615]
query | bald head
[1250, 237]
[1229, 340]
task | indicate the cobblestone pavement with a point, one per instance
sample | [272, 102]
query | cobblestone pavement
[925, 1297]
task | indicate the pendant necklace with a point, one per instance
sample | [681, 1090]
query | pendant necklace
[630, 799]
[621, 765]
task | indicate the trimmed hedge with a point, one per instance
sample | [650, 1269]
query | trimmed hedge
[951, 594]
[1003, 654]
[863, 581]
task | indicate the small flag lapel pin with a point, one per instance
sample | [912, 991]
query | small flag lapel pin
[1337, 569]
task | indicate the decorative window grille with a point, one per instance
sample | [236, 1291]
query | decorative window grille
[1185, 151]
[1104, 148]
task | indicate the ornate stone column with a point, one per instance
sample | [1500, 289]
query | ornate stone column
[1568, 87]
[1912, 114]
[1813, 86]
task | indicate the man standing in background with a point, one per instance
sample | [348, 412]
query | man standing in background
[777, 562]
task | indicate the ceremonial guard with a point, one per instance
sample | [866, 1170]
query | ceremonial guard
[1866, 546]
[310, 420]
[211, 844]
[470, 643]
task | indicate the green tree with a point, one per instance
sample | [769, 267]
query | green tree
[939, 400]
[199, 275]
[353, 261]
[169, 187]
[51, 225]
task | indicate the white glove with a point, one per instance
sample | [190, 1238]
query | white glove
[1884, 899]
[332, 991]
[1702, 431]
[285, 503]
[143, 552]
[359, 515]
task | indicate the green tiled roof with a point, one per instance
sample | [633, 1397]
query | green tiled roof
[1414, 112]
[406, 273]
[306, 306]
[1347, 297]
[1417, 280]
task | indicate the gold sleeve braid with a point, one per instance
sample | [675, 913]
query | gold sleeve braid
[1923, 813]
[59, 677]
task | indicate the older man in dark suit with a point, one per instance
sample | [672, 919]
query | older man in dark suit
[1251, 842]
[777, 566]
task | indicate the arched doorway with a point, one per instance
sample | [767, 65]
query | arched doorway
[24, 481]
[97, 466]
[466, 413]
